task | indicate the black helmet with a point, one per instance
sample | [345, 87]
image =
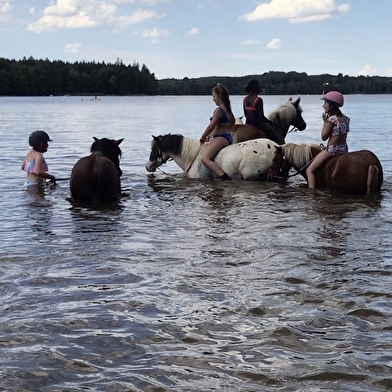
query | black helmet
[38, 137]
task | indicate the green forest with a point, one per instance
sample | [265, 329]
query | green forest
[32, 77]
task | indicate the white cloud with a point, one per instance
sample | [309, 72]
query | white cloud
[74, 14]
[275, 43]
[72, 48]
[193, 31]
[367, 70]
[5, 8]
[297, 11]
[155, 34]
[251, 42]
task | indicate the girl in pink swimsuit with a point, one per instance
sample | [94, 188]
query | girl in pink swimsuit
[34, 164]
[335, 129]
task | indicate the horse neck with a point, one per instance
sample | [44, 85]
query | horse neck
[297, 155]
[188, 154]
[282, 118]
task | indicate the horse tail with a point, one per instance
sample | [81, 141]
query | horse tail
[373, 179]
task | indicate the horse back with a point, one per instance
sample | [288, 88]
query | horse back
[355, 172]
[94, 179]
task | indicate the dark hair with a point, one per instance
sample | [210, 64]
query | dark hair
[253, 86]
[223, 93]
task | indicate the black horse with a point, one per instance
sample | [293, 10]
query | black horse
[96, 178]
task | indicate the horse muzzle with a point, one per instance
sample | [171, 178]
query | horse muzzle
[151, 167]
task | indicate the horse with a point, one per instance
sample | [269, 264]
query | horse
[96, 178]
[249, 160]
[287, 114]
[357, 172]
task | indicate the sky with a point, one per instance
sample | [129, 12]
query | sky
[196, 38]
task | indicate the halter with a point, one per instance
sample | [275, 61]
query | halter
[280, 174]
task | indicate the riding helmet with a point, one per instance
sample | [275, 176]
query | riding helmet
[335, 97]
[38, 137]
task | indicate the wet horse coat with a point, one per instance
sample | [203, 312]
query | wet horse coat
[96, 178]
[355, 172]
[248, 160]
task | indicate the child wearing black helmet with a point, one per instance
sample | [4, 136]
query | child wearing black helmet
[34, 164]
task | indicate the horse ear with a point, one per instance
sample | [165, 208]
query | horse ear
[155, 137]
[279, 148]
[297, 101]
[118, 142]
[290, 99]
[96, 139]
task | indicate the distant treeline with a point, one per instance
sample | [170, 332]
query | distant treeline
[276, 83]
[31, 77]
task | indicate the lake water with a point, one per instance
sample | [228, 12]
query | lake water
[190, 285]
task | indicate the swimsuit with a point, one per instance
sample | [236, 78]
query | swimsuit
[29, 167]
[337, 149]
[225, 120]
[227, 136]
[339, 128]
[253, 117]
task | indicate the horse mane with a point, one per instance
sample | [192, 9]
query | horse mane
[190, 147]
[171, 143]
[298, 154]
[281, 114]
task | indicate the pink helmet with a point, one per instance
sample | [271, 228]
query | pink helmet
[334, 96]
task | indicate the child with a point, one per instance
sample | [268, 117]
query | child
[34, 163]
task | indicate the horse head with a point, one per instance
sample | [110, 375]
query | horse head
[288, 114]
[279, 169]
[110, 149]
[298, 122]
[162, 147]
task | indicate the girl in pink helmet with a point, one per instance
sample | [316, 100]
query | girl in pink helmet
[335, 129]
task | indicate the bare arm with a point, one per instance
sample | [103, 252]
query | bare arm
[39, 169]
[211, 126]
[327, 128]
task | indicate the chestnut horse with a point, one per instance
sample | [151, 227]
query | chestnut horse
[96, 178]
[286, 115]
[355, 172]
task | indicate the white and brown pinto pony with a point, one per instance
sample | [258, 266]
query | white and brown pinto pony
[288, 114]
[248, 160]
[355, 172]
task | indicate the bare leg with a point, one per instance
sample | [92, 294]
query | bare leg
[317, 162]
[211, 149]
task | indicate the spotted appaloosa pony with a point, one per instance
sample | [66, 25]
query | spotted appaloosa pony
[286, 115]
[248, 160]
[355, 172]
[96, 178]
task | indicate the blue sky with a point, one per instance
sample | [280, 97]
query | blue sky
[195, 38]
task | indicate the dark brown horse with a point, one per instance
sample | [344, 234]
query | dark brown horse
[356, 172]
[286, 115]
[96, 178]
